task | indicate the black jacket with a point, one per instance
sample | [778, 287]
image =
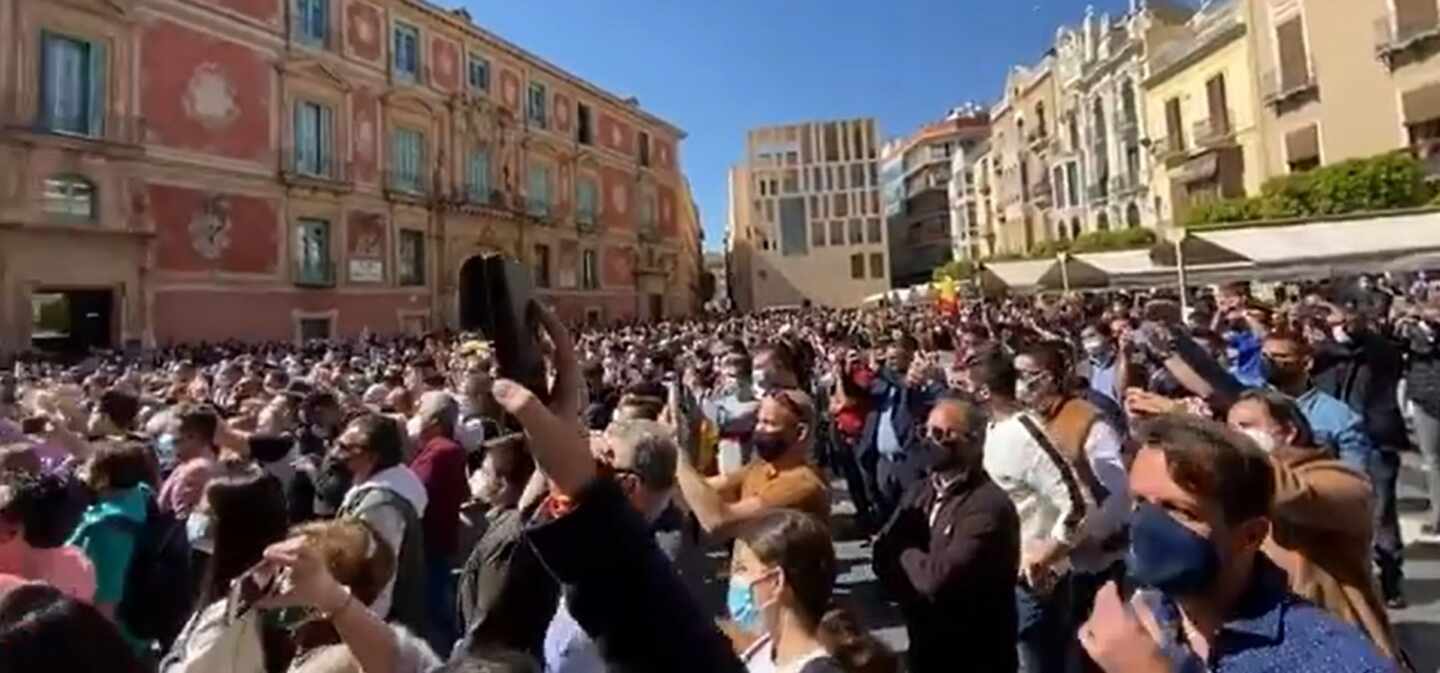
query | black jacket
[624, 592]
[1364, 374]
[954, 579]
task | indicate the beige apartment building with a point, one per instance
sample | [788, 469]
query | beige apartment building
[804, 222]
[1340, 80]
[1022, 128]
[1204, 112]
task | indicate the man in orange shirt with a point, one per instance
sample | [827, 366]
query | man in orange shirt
[780, 476]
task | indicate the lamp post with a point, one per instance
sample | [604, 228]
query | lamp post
[1064, 257]
[1180, 271]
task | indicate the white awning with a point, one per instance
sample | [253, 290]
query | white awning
[1359, 241]
[1022, 274]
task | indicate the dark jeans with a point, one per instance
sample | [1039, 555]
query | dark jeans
[844, 460]
[440, 592]
[1044, 628]
[1389, 548]
[1048, 624]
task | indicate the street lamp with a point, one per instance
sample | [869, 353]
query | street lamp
[1064, 257]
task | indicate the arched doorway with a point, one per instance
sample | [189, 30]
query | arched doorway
[474, 300]
[1074, 227]
[1132, 216]
[1102, 222]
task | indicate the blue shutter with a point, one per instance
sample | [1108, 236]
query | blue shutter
[97, 88]
[326, 131]
[479, 175]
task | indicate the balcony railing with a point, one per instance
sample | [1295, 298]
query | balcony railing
[315, 272]
[1212, 131]
[481, 195]
[300, 168]
[648, 233]
[1123, 183]
[407, 183]
[1276, 88]
[113, 128]
[1391, 37]
[1097, 191]
[537, 207]
[587, 219]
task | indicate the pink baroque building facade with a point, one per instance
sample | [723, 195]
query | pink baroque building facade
[188, 170]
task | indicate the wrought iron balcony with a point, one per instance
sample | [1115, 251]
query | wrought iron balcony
[407, 183]
[315, 272]
[302, 169]
[1392, 37]
[1212, 131]
[1276, 87]
[110, 127]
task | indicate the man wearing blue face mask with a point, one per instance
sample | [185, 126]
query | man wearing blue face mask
[1209, 599]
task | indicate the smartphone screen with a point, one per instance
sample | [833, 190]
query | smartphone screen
[33, 425]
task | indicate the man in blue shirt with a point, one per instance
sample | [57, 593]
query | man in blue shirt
[1287, 360]
[891, 452]
[1210, 601]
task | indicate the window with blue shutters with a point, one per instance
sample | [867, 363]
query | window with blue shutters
[477, 176]
[586, 201]
[535, 105]
[72, 85]
[538, 194]
[312, 21]
[407, 52]
[314, 129]
[407, 159]
[479, 73]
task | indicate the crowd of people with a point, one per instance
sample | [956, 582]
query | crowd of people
[1129, 483]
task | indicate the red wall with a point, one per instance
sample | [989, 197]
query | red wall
[259, 315]
[571, 308]
[252, 230]
[619, 267]
[666, 217]
[366, 152]
[510, 93]
[616, 216]
[205, 93]
[268, 11]
[445, 66]
[563, 110]
[662, 154]
[362, 20]
[606, 127]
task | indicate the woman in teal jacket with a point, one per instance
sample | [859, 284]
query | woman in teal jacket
[122, 477]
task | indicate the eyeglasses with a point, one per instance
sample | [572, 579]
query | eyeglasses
[943, 436]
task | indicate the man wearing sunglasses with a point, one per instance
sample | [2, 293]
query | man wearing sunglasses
[779, 476]
[950, 554]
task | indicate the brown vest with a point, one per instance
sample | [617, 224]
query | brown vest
[1068, 429]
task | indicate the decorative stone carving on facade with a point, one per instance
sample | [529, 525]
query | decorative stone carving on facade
[210, 228]
[209, 97]
[618, 198]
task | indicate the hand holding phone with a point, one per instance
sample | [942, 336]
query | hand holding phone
[259, 582]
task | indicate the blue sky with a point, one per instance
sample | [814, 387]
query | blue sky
[717, 68]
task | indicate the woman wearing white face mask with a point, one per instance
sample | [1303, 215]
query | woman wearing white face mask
[1321, 523]
[780, 600]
